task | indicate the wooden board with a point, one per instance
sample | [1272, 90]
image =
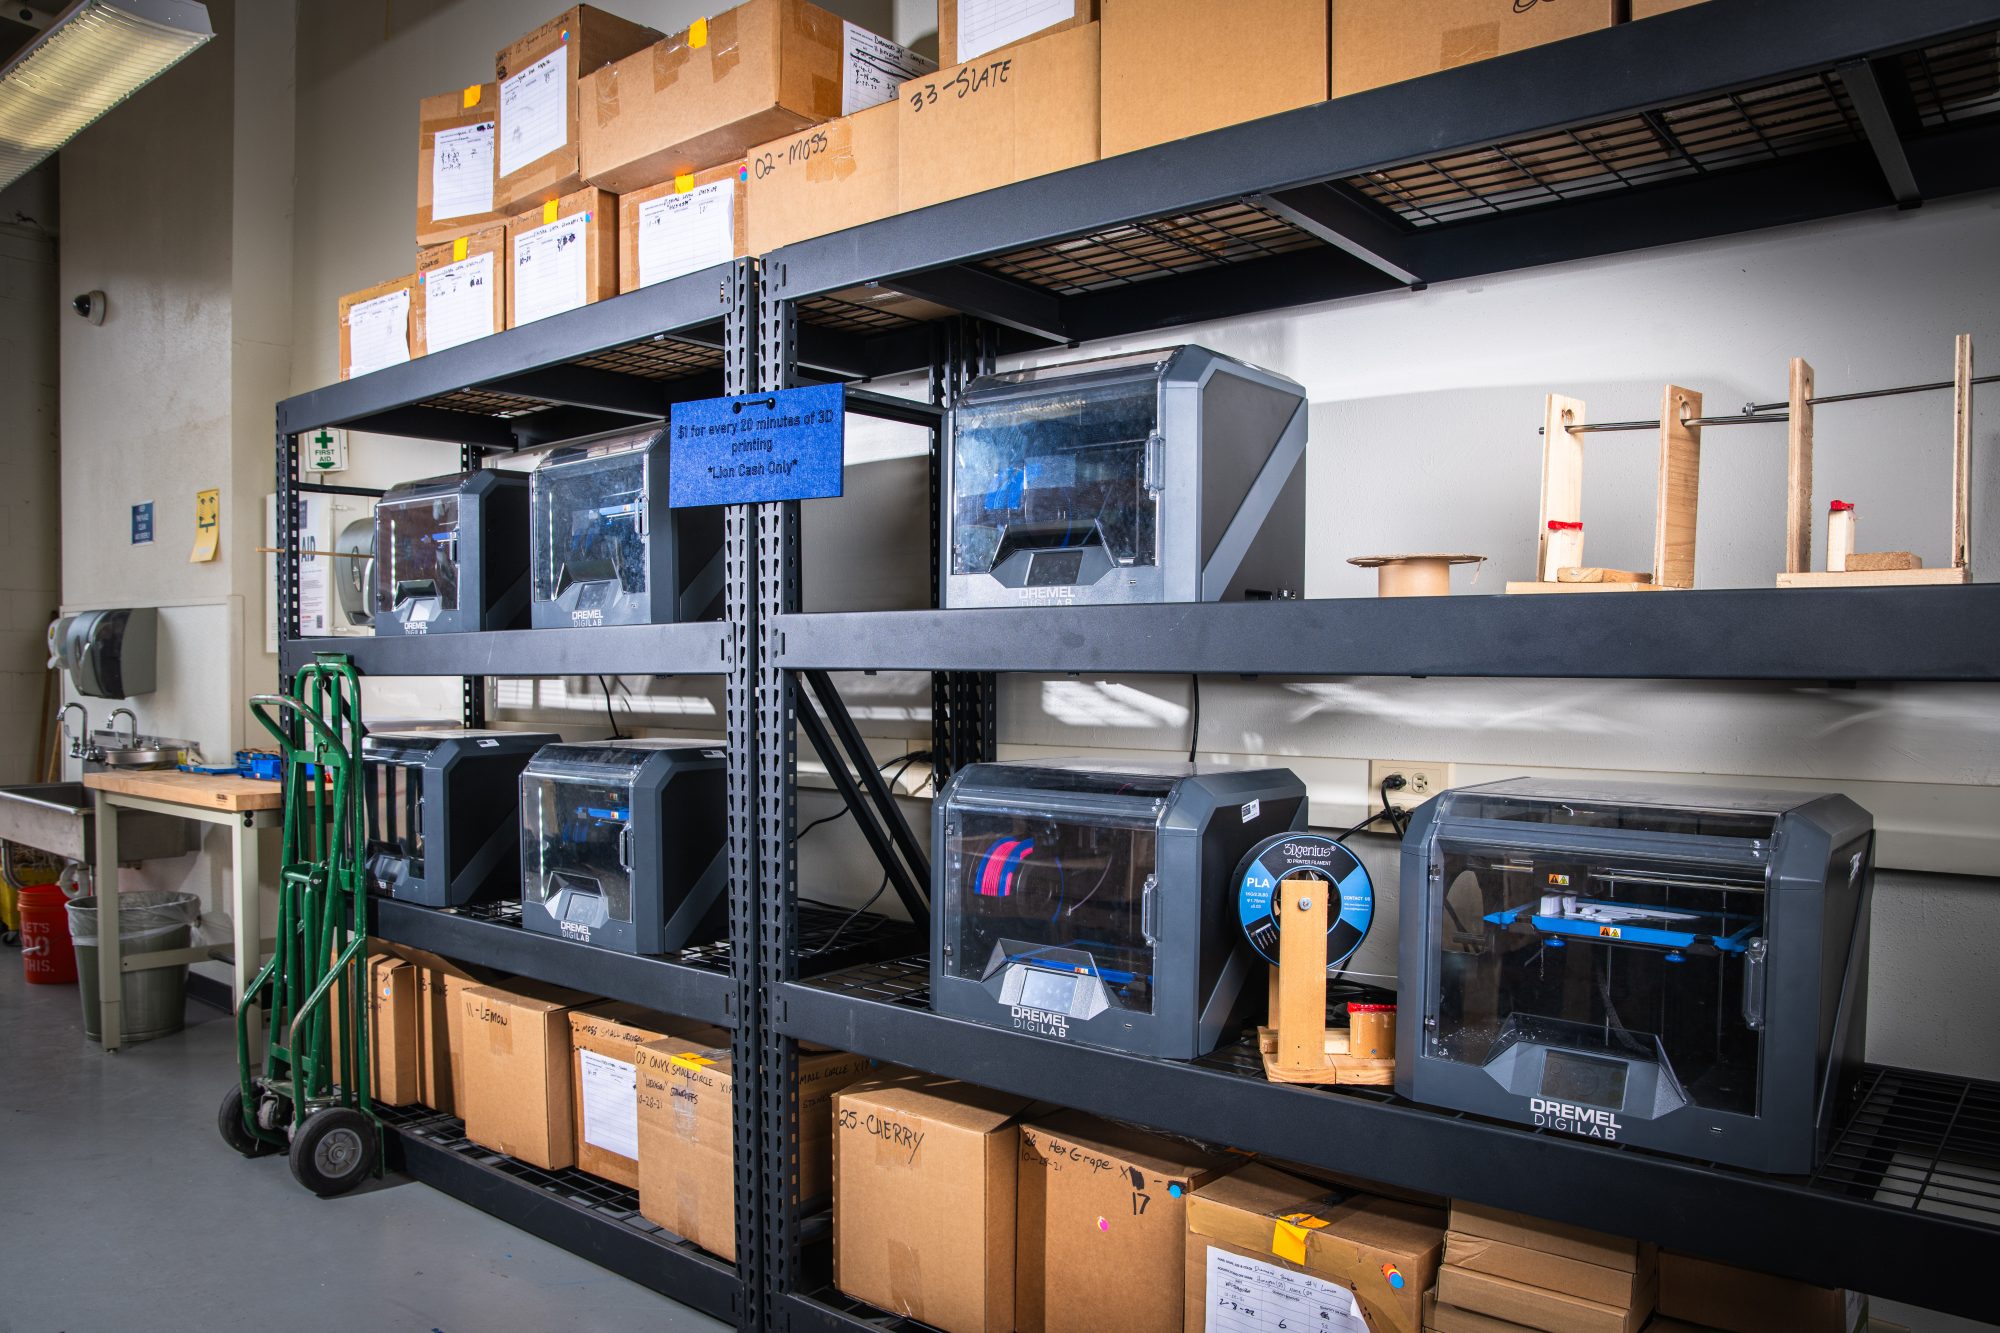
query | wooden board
[1799, 470]
[1961, 453]
[1874, 578]
[1680, 489]
[1595, 574]
[233, 794]
[1585, 587]
[1340, 1067]
[1562, 473]
[1877, 561]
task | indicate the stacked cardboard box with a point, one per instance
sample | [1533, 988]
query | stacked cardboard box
[605, 1039]
[455, 163]
[1736, 1300]
[969, 29]
[824, 179]
[1529, 1273]
[1386, 41]
[461, 289]
[377, 327]
[924, 1179]
[561, 255]
[540, 78]
[687, 1142]
[1175, 68]
[1097, 1199]
[516, 1094]
[1260, 1239]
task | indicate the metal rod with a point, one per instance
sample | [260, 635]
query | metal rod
[1757, 414]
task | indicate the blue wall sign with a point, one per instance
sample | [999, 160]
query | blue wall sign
[142, 523]
[757, 448]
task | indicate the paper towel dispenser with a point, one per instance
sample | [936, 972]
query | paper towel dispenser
[108, 654]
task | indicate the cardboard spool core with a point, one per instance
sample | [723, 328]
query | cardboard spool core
[1420, 575]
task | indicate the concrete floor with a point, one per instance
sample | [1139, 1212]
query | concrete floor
[122, 1210]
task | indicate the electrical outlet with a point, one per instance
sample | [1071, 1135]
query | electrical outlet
[1421, 781]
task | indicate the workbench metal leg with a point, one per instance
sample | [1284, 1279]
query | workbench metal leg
[110, 974]
[247, 898]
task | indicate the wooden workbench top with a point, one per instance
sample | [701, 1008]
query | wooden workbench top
[212, 792]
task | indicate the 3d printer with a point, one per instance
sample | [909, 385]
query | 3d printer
[1096, 905]
[449, 557]
[1677, 968]
[608, 550]
[1167, 476]
[441, 812]
[624, 843]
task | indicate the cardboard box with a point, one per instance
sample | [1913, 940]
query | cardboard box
[516, 1095]
[968, 29]
[539, 76]
[461, 290]
[1738, 1300]
[924, 1172]
[605, 1041]
[1371, 1254]
[1539, 1308]
[1386, 41]
[392, 1030]
[681, 226]
[1095, 1199]
[709, 94]
[440, 1033]
[1440, 1318]
[547, 272]
[825, 179]
[377, 325]
[456, 164]
[687, 1135]
[1645, 9]
[1003, 118]
[1558, 1238]
[1175, 68]
[1539, 1268]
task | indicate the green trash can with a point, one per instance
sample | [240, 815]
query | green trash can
[154, 1000]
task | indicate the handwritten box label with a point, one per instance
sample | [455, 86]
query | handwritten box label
[758, 448]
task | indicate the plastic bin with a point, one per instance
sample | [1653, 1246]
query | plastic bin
[154, 1000]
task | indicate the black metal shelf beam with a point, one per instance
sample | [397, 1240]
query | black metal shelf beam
[1819, 634]
[661, 984]
[431, 1150]
[687, 310]
[1703, 51]
[1865, 86]
[1816, 1235]
[695, 649]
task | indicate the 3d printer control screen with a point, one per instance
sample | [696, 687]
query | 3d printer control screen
[1055, 471]
[1024, 882]
[590, 524]
[1612, 958]
[575, 835]
[416, 551]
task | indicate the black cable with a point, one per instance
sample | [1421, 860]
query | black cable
[1194, 715]
[905, 762]
[1387, 812]
[831, 939]
[616, 734]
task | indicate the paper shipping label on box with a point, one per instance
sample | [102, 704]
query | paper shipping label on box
[551, 268]
[681, 233]
[610, 1104]
[988, 25]
[462, 171]
[378, 332]
[1250, 1296]
[458, 303]
[534, 111]
[873, 67]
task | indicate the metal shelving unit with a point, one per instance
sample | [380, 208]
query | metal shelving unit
[1721, 118]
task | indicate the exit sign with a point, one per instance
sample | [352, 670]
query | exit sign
[326, 451]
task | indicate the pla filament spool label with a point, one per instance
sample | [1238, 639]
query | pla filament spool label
[1304, 856]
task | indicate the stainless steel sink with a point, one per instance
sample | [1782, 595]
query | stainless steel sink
[58, 818]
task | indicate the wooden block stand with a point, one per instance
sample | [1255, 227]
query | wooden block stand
[1301, 1049]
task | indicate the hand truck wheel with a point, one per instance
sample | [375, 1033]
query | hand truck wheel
[229, 1119]
[335, 1150]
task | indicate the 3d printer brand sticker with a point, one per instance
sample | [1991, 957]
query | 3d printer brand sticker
[1591, 1122]
[1304, 856]
[758, 448]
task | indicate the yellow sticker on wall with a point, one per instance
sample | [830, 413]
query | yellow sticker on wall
[207, 525]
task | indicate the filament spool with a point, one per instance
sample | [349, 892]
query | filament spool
[1317, 856]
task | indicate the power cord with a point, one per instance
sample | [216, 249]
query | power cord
[1194, 714]
[902, 766]
[616, 734]
[848, 920]
[1394, 782]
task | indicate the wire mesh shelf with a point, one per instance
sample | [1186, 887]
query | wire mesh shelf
[1928, 1142]
[1134, 252]
[1954, 82]
[709, 957]
[484, 403]
[660, 358]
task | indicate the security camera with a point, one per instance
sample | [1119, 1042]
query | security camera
[90, 305]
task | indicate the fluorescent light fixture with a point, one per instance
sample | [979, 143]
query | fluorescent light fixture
[95, 55]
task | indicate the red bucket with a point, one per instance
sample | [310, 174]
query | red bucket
[46, 953]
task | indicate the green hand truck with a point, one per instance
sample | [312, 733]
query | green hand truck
[312, 1089]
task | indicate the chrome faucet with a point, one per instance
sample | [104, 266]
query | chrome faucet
[78, 740]
[131, 740]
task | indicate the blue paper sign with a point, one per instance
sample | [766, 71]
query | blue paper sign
[142, 523]
[757, 448]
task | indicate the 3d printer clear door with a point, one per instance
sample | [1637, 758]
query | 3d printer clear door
[576, 849]
[416, 557]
